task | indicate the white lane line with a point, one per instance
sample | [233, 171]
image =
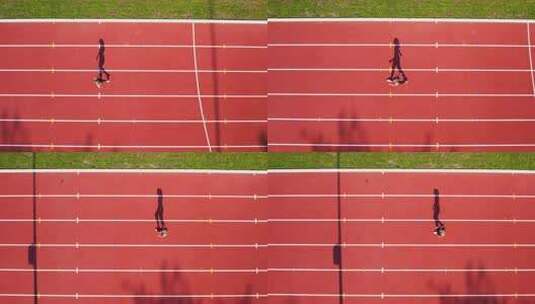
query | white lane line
[198, 86]
[405, 45]
[102, 245]
[433, 70]
[133, 71]
[134, 171]
[132, 121]
[112, 20]
[381, 270]
[134, 270]
[387, 220]
[275, 245]
[399, 171]
[434, 146]
[98, 96]
[100, 147]
[151, 196]
[260, 221]
[135, 296]
[172, 46]
[384, 295]
[185, 221]
[267, 270]
[530, 61]
[399, 195]
[404, 20]
[390, 120]
[402, 245]
[434, 94]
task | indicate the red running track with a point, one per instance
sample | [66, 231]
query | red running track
[385, 220]
[366, 234]
[176, 86]
[95, 237]
[471, 86]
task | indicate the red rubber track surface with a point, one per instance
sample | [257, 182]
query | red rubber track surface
[251, 185]
[236, 51]
[475, 74]
[437, 285]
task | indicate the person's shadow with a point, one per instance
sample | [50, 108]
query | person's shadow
[158, 215]
[436, 210]
[101, 59]
[396, 64]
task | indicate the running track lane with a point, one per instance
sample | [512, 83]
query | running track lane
[215, 221]
[49, 102]
[368, 208]
[470, 86]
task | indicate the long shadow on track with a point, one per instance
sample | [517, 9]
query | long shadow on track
[349, 132]
[476, 282]
[172, 283]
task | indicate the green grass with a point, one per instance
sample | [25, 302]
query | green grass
[118, 160]
[199, 9]
[263, 161]
[425, 160]
[403, 8]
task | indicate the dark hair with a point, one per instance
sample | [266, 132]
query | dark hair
[396, 41]
[159, 191]
[101, 41]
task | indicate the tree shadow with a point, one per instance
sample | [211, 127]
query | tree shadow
[349, 131]
[174, 283]
[476, 282]
[13, 132]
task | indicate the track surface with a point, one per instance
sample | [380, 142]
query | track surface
[315, 210]
[122, 259]
[366, 234]
[175, 86]
[471, 86]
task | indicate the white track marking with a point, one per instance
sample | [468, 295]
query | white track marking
[401, 245]
[275, 245]
[135, 296]
[120, 196]
[434, 94]
[390, 120]
[384, 295]
[259, 221]
[405, 45]
[173, 46]
[192, 96]
[111, 20]
[433, 70]
[434, 146]
[405, 20]
[134, 171]
[381, 270]
[259, 270]
[198, 87]
[132, 121]
[400, 195]
[530, 60]
[398, 171]
[99, 147]
[132, 71]
[115, 245]
[185, 221]
[134, 270]
[387, 220]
